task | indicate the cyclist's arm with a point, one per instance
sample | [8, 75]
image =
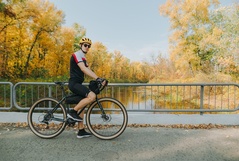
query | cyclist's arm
[87, 70]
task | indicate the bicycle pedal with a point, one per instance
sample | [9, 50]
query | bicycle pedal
[71, 122]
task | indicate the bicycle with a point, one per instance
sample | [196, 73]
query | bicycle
[106, 118]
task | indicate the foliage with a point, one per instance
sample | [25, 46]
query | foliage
[200, 38]
[114, 66]
[34, 45]
[28, 38]
[227, 20]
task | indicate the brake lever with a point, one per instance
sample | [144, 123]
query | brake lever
[101, 86]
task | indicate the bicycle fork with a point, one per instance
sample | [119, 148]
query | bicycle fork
[104, 116]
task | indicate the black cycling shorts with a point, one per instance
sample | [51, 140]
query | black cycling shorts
[79, 89]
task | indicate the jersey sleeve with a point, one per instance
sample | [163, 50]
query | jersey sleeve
[79, 58]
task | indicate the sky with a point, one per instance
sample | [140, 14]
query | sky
[133, 27]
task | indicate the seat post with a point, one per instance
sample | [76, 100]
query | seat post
[62, 88]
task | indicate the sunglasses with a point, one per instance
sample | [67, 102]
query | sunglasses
[85, 45]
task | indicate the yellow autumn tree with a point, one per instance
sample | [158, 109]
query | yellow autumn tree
[120, 67]
[192, 43]
[25, 35]
[7, 22]
[59, 55]
[34, 45]
[65, 41]
[43, 24]
[162, 70]
[99, 60]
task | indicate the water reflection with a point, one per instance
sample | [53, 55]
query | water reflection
[174, 97]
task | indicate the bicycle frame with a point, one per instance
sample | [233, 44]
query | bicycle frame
[98, 103]
[61, 102]
[48, 116]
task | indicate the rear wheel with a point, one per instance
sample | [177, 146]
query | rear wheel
[47, 118]
[109, 125]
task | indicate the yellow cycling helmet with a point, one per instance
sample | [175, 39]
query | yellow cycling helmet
[85, 40]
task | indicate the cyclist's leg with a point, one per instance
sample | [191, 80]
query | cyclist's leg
[82, 90]
[84, 102]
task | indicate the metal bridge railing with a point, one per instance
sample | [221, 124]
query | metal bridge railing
[187, 97]
[175, 98]
[6, 95]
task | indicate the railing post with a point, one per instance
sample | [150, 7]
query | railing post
[7, 99]
[49, 91]
[201, 98]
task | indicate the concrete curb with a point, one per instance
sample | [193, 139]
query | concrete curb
[139, 118]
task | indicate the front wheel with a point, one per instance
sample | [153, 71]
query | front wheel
[47, 118]
[108, 124]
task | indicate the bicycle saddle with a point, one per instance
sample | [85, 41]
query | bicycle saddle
[73, 99]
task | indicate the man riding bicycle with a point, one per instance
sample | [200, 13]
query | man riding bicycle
[78, 69]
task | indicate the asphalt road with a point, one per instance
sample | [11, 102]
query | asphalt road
[135, 144]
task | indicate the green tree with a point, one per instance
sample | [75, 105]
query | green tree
[227, 58]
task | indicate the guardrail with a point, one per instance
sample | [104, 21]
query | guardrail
[6, 95]
[196, 97]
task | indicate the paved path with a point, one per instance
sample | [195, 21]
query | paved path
[135, 144]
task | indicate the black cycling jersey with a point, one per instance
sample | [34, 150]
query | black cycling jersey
[76, 74]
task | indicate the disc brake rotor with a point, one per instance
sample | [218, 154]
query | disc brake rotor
[106, 118]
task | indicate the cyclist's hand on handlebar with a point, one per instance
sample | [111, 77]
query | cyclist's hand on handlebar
[100, 80]
[103, 81]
